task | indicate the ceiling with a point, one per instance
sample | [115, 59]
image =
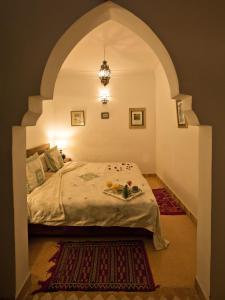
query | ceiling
[124, 51]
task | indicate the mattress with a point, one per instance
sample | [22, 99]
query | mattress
[75, 196]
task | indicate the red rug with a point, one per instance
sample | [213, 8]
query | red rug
[100, 266]
[167, 204]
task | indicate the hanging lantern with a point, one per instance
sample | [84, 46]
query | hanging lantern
[104, 73]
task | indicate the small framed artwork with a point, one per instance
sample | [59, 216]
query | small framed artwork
[137, 117]
[77, 118]
[105, 115]
[181, 121]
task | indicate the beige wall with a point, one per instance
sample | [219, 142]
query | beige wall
[20, 208]
[204, 210]
[111, 139]
[176, 148]
[39, 134]
[183, 161]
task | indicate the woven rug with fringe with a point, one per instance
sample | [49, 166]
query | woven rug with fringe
[167, 204]
[99, 266]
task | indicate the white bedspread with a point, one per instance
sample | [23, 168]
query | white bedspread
[74, 196]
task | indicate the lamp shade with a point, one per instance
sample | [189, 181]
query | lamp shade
[61, 144]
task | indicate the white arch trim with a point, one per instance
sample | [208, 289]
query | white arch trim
[95, 17]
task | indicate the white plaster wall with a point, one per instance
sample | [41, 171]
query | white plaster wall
[20, 208]
[111, 139]
[39, 134]
[204, 210]
[177, 161]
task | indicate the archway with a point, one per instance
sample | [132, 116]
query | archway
[102, 13]
[97, 16]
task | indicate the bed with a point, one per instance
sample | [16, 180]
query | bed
[74, 196]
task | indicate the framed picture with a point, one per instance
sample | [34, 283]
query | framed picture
[77, 118]
[181, 121]
[105, 115]
[137, 117]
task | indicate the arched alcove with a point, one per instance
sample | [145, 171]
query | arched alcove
[99, 15]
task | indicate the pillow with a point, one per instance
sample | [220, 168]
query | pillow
[54, 159]
[44, 162]
[34, 172]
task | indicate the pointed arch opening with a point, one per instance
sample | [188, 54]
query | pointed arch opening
[83, 26]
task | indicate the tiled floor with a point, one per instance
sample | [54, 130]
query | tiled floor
[173, 269]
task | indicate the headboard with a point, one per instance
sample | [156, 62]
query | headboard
[39, 149]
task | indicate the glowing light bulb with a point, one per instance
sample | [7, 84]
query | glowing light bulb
[104, 96]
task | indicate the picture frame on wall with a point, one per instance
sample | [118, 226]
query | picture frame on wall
[104, 115]
[137, 118]
[181, 121]
[77, 118]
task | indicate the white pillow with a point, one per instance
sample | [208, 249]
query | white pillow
[54, 159]
[34, 171]
[44, 162]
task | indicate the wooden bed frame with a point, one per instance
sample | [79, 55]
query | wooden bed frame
[35, 230]
[39, 149]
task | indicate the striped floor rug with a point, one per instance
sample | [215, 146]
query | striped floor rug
[167, 204]
[100, 266]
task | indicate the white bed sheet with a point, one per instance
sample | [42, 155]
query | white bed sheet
[74, 196]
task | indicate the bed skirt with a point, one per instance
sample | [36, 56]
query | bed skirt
[87, 231]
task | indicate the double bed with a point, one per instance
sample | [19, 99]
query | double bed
[74, 196]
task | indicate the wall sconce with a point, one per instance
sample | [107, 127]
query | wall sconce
[104, 96]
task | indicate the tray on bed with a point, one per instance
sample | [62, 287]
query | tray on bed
[118, 195]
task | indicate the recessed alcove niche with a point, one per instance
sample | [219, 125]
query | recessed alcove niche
[143, 75]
